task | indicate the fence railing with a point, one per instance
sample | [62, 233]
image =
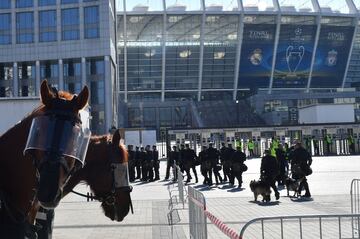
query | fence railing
[303, 226]
[355, 200]
[181, 187]
[197, 217]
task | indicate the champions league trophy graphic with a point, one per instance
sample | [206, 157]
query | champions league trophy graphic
[295, 53]
[294, 57]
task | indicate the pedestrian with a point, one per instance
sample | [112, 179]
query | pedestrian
[269, 170]
[131, 163]
[227, 161]
[205, 166]
[282, 163]
[251, 147]
[300, 158]
[237, 166]
[156, 162]
[149, 164]
[223, 155]
[143, 164]
[316, 146]
[213, 156]
[137, 163]
[190, 163]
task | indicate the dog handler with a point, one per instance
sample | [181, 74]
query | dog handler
[269, 171]
[302, 158]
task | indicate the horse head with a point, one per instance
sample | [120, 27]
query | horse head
[55, 141]
[110, 181]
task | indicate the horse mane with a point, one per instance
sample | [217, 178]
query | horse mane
[106, 139]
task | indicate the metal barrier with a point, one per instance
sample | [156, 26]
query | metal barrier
[180, 178]
[355, 200]
[197, 217]
[303, 226]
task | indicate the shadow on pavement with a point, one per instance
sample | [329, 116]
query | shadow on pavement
[265, 204]
[233, 190]
[301, 199]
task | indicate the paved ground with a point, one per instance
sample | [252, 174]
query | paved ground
[329, 184]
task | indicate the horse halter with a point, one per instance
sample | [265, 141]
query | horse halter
[120, 182]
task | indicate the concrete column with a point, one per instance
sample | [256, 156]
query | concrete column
[36, 26]
[58, 23]
[201, 60]
[240, 33]
[108, 94]
[15, 80]
[83, 72]
[37, 78]
[13, 24]
[81, 21]
[273, 64]
[61, 75]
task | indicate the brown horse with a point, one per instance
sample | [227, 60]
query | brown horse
[105, 153]
[53, 141]
[18, 176]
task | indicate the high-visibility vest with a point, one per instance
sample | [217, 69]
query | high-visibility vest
[251, 145]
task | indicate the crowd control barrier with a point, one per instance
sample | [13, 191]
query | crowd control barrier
[198, 215]
[303, 226]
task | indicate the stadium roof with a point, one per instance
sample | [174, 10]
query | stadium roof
[326, 7]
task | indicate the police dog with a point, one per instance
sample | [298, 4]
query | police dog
[260, 188]
[293, 185]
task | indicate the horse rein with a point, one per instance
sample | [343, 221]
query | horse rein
[109, 198]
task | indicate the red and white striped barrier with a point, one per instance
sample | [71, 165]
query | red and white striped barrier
[217, 222]
[222, 226]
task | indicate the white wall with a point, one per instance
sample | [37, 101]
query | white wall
[13, 110]
[327, 113]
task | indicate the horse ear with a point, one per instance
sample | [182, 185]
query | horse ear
[82, 99]
[116, 138]
[45, 93]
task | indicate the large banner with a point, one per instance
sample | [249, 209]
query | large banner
[331, 56]
[294, 53]
[256, 55]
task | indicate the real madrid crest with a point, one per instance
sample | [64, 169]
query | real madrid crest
[331, 58]
[256, 57]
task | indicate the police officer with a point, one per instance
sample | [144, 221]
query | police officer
[251, 147]
[302, 158]
[143, 164]
[137, 163]
[213, 156]
[149, 164]
[223, 156]
[237, 166]
[182, 157]
[351, 144]
[228, 161]
[131, 160]
[170, 162]
[205, 167]
[282, 163]
[316, 146]
[189, 163]
[156, 162]
[269, 170]
[328, 143]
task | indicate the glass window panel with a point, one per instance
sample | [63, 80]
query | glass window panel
[47, 2]
[91, 22]
[24, 27]
[70, 24]
[5, 29]
[149, 117]
[165, 116]
[26, 78]
[6, 79]
[134, 117]
[49, 70]
[24, 3]
[5, 4]
[69, 1]
[47, 26]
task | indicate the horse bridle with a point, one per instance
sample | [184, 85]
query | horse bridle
[110, 197]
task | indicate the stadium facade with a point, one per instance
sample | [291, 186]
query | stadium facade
[169, 65]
